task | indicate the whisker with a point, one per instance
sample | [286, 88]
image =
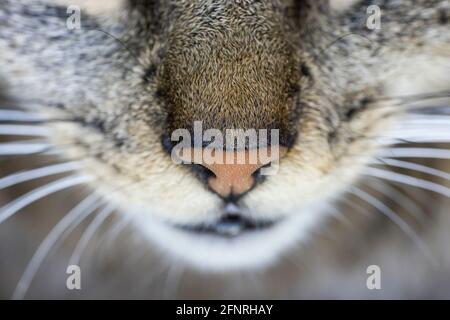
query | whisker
[416, 167]
[436, 110]
[433, 153]
[418, 129]
[24, 176]
[356, 207]
[422, 127]
[76, 223]
[389, 213]
[117, 228]
[339, 216]
[408, 139]
[18, 130]
[396, 196]
[415, 97]
[25, 148]
[14, 206]
[174, 276]
[19, 116]
[420, 118]
[82, 210]
[64, 227]
[123, 44]
[407, 180]
[89, 233]
[439, 131]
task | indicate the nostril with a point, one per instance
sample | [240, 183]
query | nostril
[167, 143]
[231, 173]
[262, 173]
[257, 174]
[202, 172]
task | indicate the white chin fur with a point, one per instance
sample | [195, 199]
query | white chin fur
[211, 253]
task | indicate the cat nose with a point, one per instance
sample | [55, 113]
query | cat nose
[234, 171]
[234, 178]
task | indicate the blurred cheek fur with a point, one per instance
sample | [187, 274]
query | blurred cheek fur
[87, 118]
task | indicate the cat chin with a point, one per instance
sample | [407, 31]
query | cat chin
[211, 253]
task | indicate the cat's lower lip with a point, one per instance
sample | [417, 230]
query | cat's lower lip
[243, 243]
[230, 226]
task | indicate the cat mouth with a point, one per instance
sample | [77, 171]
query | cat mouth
[234, 240]
[231, 224]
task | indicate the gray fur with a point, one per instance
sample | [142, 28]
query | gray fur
[124, 81]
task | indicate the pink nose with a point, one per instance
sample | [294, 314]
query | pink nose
[234, 175]
[233, 179]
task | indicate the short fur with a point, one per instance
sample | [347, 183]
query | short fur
[128, 78]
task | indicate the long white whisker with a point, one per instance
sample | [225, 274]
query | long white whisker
[396, 196]
[389, 213]
[83, 209]
[117, 228]
[419, 126]
[339, 216]
[19, 116]
[19, 130]
[20, 177]
[408, 180]
[415, 167]
[41, 192]
[419, 118]
[407, 135]
[76, 223]
[419, 139]
[356, 207]
[174, 276]
[426, 128]
[430, 133]
[432, 153]
[89, 233]
[26, 148]
[416, 130]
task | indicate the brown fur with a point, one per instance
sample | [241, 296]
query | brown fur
[125, 81]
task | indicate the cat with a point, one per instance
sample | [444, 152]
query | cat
[357, 93]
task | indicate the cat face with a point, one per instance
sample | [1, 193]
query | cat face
[113, 93]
